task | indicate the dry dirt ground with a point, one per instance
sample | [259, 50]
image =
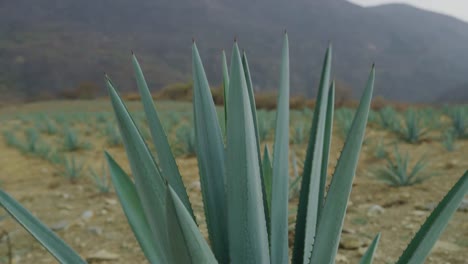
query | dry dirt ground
[91, 222]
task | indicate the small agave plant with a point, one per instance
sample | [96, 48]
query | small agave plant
[245, 197]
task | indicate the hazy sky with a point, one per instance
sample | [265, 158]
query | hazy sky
[456, 8]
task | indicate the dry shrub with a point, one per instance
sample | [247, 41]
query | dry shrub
[378, 103]
[266, 100]
[176, 92]
[84, 90]
[132, 96]
[218, 95]
[298, 102]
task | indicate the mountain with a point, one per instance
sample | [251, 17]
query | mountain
[55, 45]
[457, 95]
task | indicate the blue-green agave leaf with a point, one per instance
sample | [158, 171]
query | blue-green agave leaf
[267, 174]
[225, 83]
[368, 257]
[248, 238]
[165, 156]
[309, 200]
[210, 154]
[279, 198]
[149, 182]
[131, 204]
[334, 210]
[187, 243]
[56, 246]
[422, 243]
[326, 146]
[253, 107]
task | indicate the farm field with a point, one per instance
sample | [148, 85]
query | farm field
[51, 160]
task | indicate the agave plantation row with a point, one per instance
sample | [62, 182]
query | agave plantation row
[411, 125]
[246, 190]
[35, 133]
[66, 139]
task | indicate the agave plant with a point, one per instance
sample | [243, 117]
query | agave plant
[34, 145]
[416, 127]
[101, 180]
[344, 118]
[388, 118]
[72, 169]
[71, 142]
[379, 150]
[459, 121]
[185, 136]
[11, 140]
[448, 140]
[246, 208]
[294, 181]
[113, 137]
[299, 135]
[397, 172]
[32, 140]
[46, 125]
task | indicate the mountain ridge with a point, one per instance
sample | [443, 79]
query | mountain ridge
[62, 43]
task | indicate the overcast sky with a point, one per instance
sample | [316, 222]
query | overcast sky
[456, 8]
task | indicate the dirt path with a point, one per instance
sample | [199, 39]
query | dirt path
[88, 222]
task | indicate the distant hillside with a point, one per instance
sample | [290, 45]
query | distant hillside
[457, 95]
[52, 45]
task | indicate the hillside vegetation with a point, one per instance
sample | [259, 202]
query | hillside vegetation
[50, 46]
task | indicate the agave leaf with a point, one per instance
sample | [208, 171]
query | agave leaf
[326, 145]
[56, 246]
[165, 156]
[210, 156]
[248, 238]
[149, 182]
[332, 216]
[426, 237]
[267, 174]
[279, 197]
[368, 257]
[309, 200]
[187, 243]
[225, 83]
[253, 107]
[133, 209]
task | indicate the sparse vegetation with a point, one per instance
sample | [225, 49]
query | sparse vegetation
[397, 171]
[264, 126]
[11, 139]
[388, 118]
[113, 137]
[185, 136]
[101, 179]
[32, 144]
[380, 152]
[71, 142]
[344, 119]
[47, 126]
[294, 186]
[72, 169]
[415, 127]
[459, 118]
[299, 136]
[448, 140]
